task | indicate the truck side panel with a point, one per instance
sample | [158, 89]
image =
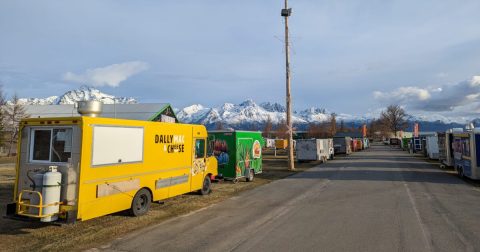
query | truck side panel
[165, 169]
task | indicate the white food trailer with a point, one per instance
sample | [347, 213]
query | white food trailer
[313, 150]
[431, 146]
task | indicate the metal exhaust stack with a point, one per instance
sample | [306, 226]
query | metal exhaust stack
[89, 108]
[469, 127]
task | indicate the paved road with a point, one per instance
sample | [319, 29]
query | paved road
[377, 200]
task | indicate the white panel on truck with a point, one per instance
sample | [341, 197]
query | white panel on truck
[112, 145]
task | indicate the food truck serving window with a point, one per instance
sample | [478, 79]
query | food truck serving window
[51, 145]
[115, 144]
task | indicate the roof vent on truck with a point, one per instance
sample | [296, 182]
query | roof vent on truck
[89, 108]
[469, 127]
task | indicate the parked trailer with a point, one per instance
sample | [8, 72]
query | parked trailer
[269, 143]
[359, 142]
[445, 142]
[342, 145]
[79, 168]
[366, 143]
[331, 149]
[466, 154]
[312, 150]
[394, 141]
[406, 143]
[356, 145]
[431, 147]
[442, 147]
[239, 153]
[281, 143]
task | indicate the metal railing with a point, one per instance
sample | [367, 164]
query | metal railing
[23, 207]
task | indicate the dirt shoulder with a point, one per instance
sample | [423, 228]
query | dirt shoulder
[17, 235]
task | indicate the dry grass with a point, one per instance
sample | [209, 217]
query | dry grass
[16, 235]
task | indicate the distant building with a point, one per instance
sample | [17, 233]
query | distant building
[157, 112]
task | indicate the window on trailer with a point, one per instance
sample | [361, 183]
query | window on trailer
[466, 146]
[51, 145]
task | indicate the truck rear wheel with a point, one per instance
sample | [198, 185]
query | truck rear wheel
[141, 202]
[251, 176]
[206, 186]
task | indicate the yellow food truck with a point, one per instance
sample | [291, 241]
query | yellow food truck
[79, 168]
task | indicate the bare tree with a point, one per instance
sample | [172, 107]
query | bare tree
[394, 118]
[2, 116]
[282, 130]
[342, 126]
[267, 129]
[333, 124]
[313, 130]
[14, 113]
[319, 130]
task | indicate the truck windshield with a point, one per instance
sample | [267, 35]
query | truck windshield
[200, 148]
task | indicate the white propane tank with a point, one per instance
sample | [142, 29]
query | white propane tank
[34, 198]
[51, 193]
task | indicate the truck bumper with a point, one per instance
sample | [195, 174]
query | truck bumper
[11, 213]
[218, 177]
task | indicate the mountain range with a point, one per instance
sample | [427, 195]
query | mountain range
[249, 114]
[245, 115]
[81, 94]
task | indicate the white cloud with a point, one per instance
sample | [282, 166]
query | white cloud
[475, 81]
[462, 97]
[111, 75]
[403, 94]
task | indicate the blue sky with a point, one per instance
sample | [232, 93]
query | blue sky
[347, 56]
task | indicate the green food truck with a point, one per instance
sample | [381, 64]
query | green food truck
[239, 153]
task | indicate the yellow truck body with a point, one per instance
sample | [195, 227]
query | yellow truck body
[105, 162]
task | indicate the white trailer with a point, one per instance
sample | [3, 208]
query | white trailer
[331, 149]
[312, 150]
[445, 141]
[466, 152]
[269, 143]
[431, 147]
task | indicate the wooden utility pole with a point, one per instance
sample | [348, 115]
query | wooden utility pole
[286, 13]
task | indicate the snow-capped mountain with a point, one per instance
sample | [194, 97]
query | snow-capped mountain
[249, 115]
[81, 94]
[248, 112]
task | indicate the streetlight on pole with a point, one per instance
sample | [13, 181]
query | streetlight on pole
[286, 12]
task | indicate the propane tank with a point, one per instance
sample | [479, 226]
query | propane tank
[51, 193]
[34, 198]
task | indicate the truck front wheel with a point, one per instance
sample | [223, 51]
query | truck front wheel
[206, 187]
[141, 202]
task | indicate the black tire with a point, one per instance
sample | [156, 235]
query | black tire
[251, 176]
[206, 186]
[460, 172]
[141, 202]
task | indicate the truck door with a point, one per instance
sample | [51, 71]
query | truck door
[199, 163]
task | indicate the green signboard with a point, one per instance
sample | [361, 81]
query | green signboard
[239, 153]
